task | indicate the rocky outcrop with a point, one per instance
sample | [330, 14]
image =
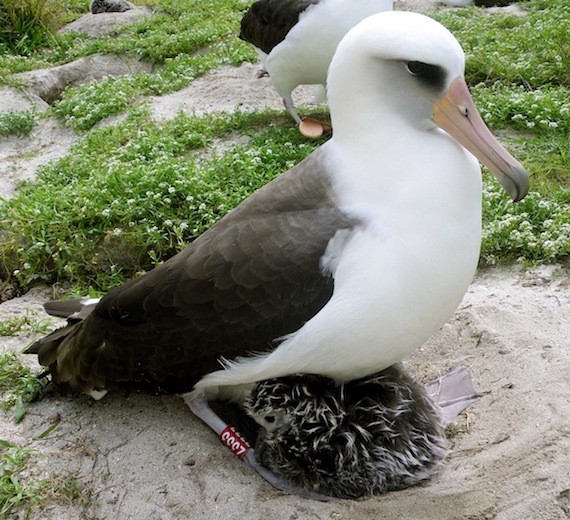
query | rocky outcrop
[48, 84]
[96, 25]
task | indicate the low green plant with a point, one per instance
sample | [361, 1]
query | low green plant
[131, 195]
[83, 106]
[543, 110]
[26, 25]
[537, 229]
[29, 323]
[532, 49]
[14, 493]
[22, 490]
[18, 385]
[536, 124]
[18, 123]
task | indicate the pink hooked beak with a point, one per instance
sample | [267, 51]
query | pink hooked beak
[456, 113]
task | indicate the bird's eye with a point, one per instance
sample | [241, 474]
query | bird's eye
[270, 419]
[417, 68]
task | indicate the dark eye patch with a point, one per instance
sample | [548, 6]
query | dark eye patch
[417, 68]
[270, 419]
[431, 75]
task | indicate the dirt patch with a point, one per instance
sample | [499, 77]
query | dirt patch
[227, 89]
[20, 157]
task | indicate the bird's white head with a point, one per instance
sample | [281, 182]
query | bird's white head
[402, 72]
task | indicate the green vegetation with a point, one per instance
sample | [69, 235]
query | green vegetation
[531, 50]
[14, 494]
[178, 30]
[22, 486]
[519, 71]
[134, 194]
[27, 25]
[29, 323]
[130, 195]
[17, 123]
[22, 490]
[84, 106]
[18, 385]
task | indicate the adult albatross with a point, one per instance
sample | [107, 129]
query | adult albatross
[296, 40]
[340, 267]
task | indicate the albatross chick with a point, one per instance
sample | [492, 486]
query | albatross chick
[372, 435]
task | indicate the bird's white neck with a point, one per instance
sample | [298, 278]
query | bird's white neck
[389, 152]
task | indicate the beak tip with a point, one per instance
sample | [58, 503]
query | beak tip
[520, 183]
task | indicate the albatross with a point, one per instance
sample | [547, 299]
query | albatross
[340, 267]
[296, 40]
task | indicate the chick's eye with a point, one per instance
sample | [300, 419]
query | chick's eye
[417, 68]
[270, 419]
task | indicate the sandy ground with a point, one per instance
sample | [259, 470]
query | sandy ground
[147, 457]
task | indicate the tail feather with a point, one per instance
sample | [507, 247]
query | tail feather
[71, 309]
[46, 348]
[49, 348]
[63, 309]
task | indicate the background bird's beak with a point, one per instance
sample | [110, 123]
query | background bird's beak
[456, 114]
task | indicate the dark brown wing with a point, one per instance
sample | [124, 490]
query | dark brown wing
[251, 278]
[267, 22]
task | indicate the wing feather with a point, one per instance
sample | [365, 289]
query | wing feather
[267, 22]
[253, 277]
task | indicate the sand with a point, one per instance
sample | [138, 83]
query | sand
[146, 457]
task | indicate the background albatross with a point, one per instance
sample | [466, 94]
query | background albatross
[340, 267]
[296, 40]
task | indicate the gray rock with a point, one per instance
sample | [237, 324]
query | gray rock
[105, 23]
[48, 84]
[13, 100]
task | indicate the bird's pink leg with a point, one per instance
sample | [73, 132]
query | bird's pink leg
[236, 443]
[288, 102]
